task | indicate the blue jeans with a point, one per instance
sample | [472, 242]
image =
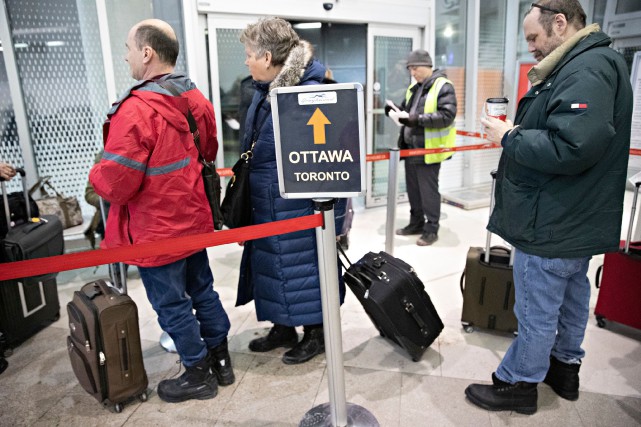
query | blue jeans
[175, 290]
[552, 307]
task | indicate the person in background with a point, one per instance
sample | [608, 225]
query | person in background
[280, 273]
[6, 171]
[430, 107]
[150, 174]
[559, 198]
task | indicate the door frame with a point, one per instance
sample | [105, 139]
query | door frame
[381, 30]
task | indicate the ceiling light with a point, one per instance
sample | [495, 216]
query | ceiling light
[307, 25]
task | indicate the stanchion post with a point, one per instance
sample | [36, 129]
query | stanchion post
[338, 413]
[330, 300]
[392, 190]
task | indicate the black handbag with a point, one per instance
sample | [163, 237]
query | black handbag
[211, 179]
[236, 206]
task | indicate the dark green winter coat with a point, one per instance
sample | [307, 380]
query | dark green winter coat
[561, 176]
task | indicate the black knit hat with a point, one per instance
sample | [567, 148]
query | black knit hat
[419, 57]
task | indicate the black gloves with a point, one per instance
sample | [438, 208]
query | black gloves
[388, 108]
[411, 121]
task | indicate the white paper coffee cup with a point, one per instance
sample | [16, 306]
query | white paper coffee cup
[496, 107]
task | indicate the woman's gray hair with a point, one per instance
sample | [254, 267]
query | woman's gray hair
[273, 35]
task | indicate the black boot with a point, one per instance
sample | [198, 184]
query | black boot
[279, 336]
[563, 378]
[411, 228]
[220, 363]
[313, 343]
[197, 382]
[501, 396]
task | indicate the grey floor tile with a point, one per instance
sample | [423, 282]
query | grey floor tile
[379, 392]
[608, 410]
[438, 401]
[272, 393]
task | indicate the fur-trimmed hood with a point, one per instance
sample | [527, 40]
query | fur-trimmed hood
[299, 67]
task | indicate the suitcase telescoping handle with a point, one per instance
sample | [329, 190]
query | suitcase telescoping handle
[634, 208]
[488, 240]
[5, 196]
[119, 274]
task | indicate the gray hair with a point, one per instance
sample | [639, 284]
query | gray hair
[274, 35]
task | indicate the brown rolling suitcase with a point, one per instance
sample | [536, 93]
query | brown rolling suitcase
[487, 285]
[104, 344]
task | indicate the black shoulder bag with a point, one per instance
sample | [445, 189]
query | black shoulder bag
[211, 179]
[236, 206]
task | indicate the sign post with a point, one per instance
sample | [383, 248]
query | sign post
[319, 133]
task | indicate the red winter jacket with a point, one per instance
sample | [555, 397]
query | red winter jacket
[150, 171]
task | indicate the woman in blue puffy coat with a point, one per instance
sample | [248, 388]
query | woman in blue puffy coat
[280, 273]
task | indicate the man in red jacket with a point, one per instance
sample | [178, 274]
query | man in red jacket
[151, 175]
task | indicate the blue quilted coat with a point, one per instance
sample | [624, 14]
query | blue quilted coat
[280, 273]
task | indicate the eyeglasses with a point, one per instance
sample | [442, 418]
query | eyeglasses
[546, 9]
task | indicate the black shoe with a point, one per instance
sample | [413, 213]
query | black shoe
[313, 343]
[197, 382]
[563, 378]
[410, 229]
[220, 364]
[427, 239]
[501, 396]
[279, 336]
[3, 364]
[343, 240]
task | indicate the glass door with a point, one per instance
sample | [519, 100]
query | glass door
[231, 89]
[388, 78]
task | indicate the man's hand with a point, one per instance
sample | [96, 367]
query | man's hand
[389, 108]
[410, 121]
[6, 171]
[494, 129]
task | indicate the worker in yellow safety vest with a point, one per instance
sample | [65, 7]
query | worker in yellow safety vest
[427, 117]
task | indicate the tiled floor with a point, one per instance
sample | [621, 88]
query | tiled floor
[39, 388]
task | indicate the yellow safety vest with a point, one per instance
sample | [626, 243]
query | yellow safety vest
[435, 138]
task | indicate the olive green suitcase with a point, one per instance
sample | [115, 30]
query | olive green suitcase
[487, 285]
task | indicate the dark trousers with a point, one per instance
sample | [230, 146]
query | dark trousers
[422, 191]
[188, 308]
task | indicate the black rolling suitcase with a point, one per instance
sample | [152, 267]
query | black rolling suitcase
[31, 303]
[487, 285]
[395, 300]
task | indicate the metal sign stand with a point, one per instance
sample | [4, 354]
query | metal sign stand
[337, 412]
[392, 190]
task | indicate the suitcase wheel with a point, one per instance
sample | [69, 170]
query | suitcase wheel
[468, 328]
[143, 396]
[118, 407]
[600, 321]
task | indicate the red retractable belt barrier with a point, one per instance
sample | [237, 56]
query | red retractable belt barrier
[35, 267]
[14, 270]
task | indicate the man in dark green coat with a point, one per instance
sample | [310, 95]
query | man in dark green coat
[559, 198]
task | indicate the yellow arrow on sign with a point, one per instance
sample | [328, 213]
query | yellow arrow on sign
[319, 120]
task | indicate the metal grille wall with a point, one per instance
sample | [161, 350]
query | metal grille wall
[10, 151]
[59, 61]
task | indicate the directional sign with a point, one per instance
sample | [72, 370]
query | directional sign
[320, 140]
